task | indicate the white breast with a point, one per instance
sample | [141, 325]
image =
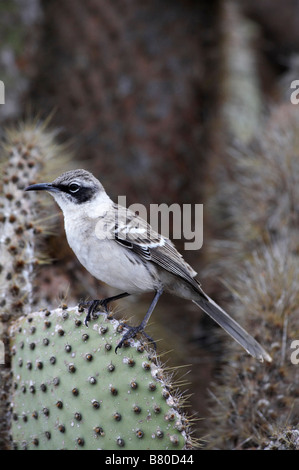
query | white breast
[105, 259]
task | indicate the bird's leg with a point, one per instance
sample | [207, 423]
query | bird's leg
[133, 330]
[94, 304]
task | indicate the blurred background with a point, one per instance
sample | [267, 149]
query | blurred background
[149, 95]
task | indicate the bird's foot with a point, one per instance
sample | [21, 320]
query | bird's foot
[93, 307]
[131, 332]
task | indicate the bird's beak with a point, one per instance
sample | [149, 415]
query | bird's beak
[42, 187]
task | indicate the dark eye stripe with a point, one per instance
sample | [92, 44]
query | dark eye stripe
[84, 194]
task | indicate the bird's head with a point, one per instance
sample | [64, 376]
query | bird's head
[71, 189]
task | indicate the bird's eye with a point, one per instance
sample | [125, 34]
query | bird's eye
[74, 187]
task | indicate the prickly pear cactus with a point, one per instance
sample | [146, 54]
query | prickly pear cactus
[28, 153]
[72, 391]
[25, 154]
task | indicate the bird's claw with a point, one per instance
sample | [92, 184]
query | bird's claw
[93, 307]
[131, 333]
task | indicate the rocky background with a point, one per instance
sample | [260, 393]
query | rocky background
[182, 101]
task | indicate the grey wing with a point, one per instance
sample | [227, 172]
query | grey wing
[134, 233]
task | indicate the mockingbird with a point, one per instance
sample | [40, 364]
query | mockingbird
[119, 248]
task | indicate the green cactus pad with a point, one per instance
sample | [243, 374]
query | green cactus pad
[71, 391]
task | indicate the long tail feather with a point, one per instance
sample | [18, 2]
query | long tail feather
[232, 328]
